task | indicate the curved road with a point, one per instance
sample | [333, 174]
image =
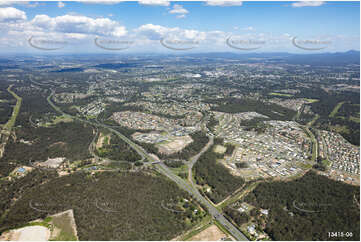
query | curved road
[162, 168]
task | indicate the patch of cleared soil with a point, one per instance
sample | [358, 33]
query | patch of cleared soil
[212, 233]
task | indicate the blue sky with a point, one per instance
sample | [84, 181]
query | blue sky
[204, 26]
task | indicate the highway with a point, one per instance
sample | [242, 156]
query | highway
[162, 168]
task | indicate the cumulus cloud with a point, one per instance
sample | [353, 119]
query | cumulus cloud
[154, 2]
[178, 9]
[100, 1]
[226, 3]
[61, 4]
[158, 32]
[11, 14]
[23, 3]
[307, 4]
[79, 24]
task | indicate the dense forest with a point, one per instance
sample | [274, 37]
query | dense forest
[118, 150]
[109, 206]
[32, 143]
[10, 191]
[70, 140]
[235, 105]
[308, 208]
[209, 172]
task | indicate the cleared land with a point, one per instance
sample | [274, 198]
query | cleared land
[177, 144]
[212, 233]
[335, 110]
[30, 233]
[309, 100]
[220, 149]
[16, 110]
[280, 94]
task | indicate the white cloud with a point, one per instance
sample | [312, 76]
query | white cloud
[307, 4]
[178, 9]
[61, 4]
[79, 24]
[100, 1]
[154, 2]
[249, 28]
[23, 3]
[181, 16]
[154, 32]
[11, 14]
[226, 3]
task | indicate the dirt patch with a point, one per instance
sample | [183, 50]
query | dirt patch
[220, 149]
[30, 233]
[212, 233]
[51, 162]
[102, 138]
[177, 144]
[65, 227]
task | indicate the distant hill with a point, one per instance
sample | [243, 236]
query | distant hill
[338, 58]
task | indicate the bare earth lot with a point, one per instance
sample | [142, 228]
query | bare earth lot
[177, 144]
[30, 233]
[212, 233]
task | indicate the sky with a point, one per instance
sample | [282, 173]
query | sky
[159, 26]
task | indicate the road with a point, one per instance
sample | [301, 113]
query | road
[162, 168]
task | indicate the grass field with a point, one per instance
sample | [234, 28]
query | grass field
[354, 119]
[309, 100]
[16, 110]
[335, 110]
[280, 94]
[64, 223]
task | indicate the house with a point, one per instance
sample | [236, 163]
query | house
[264, 211]
[251, 229]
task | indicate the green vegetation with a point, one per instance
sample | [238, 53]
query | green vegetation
[212, 123]
[174, 163]
[194, 232]
[230, 149]
[242, 165]
[334, 203]
[16, 110]
[280, 94]
[117, 149]
[355, 119]
[111, 206]
[208, 171]
[335, 110]
[11, 191]
[70, 140]
[235, 105]
[238, 217]
[310, 100]
[64, 223]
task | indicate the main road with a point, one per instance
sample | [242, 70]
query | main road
[162, 168]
